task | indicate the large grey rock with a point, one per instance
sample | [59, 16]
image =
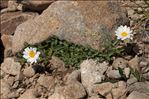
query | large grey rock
[89, 23]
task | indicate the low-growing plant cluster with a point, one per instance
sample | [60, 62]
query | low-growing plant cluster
[70, 53]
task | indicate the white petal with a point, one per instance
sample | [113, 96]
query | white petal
[25, 56]
[25, 53]
[27, 49]
[35, 49]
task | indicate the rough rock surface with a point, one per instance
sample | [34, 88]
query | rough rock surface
[10, 21]
[119, 63]
[73, 90]
[36, 5]
[29, 72]
[10, 66]
[5, 89]
[89, 23]
[92, 73]
[7, 42]
[3, 4]
[46, 81]
[137, 95]
[28, 94]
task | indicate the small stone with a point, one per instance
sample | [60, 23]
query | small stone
[39, 90]
[10, 80]
[20, 90]
[109, 96]
[29, 72]
[95, 97]
[13, 95]
[56, 63]
[119, 90]
[57, 96]
[137, 95]
[2, 73]
[103, 88]
[7, 41]
[28, 94]
[127, 72]
[134, 63]
[46, 81]
[113, 73]
[19, 77]
[5, 89]
[10, 66]
[92, 72]
[141, 87]
[119, 63]
[16, 84]
[74, 76]
[143, 63]
[131, 80]
[73, 90]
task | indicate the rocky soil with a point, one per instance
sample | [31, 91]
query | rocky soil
[85, 23]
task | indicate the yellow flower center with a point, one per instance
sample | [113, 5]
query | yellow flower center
[32, 54]
[124, 34]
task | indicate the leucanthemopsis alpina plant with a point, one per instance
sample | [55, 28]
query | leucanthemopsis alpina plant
[31, 54]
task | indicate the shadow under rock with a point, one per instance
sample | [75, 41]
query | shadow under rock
[1, 50]
[132, 49]
[41, 69]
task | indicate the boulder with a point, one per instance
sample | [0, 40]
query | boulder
[10, 21]
[89, 23]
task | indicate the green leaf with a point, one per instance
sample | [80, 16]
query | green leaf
[122, 73]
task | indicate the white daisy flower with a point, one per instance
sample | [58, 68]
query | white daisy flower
[124, 32]
[31, 54]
